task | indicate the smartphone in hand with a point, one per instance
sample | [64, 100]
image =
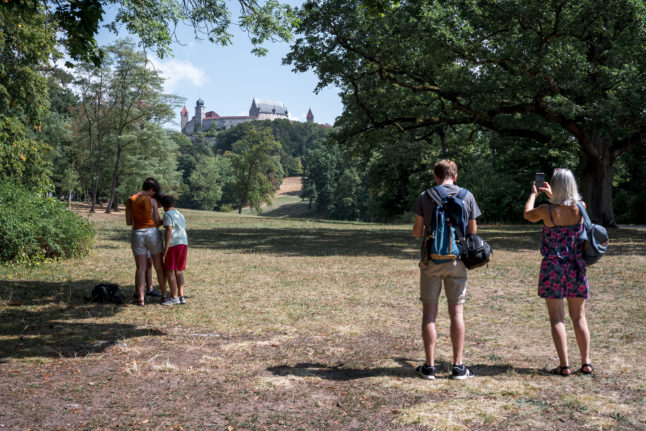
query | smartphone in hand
[540, 179]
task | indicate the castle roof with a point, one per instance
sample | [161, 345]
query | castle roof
[184, 111]
[211, 114]
[266, 106]
[309, 114]
[239, 117]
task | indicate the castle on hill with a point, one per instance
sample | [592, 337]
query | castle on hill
[261, 109]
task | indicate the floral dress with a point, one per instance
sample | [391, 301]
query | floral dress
[562, 272]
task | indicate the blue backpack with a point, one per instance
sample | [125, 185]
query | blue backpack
[444, 241]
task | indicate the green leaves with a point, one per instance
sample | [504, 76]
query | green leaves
[540, 70]
[256, 167]
[207, 181]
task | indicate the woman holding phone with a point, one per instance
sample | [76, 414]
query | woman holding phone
[563, 271]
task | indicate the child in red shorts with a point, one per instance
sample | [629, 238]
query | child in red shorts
[175, 250]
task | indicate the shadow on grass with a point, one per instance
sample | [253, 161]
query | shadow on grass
[310, 242]
[405, 369]
[371, 241]
[304, 242]
[339, 373]
[292, 210]
[44, 319]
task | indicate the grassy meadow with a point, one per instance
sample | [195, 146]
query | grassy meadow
[306, 324]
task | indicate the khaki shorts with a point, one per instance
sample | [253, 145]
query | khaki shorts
[454, 275]
[146, 240]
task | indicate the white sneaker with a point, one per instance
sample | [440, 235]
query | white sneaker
[171, 301]
[461, 372]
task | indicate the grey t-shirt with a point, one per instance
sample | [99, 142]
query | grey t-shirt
[425, 205]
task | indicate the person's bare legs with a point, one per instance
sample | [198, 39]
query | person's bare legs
[140, 276]
[158, 263]
[456, 312]
[429, 334]
[179, 275]
[172, 283]
[149, 274]
[557, 323]
[576, 309]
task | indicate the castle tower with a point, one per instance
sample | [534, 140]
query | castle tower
[310, 116]
[184, 117]
[199, 114]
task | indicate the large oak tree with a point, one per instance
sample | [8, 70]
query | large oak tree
[550, 71]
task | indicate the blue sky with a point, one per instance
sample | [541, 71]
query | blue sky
[228, 78]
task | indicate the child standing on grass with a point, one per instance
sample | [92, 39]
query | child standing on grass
[175, 250]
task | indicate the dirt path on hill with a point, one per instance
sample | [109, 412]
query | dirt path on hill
[291, 186]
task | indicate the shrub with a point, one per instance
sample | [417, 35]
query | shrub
[34, 227]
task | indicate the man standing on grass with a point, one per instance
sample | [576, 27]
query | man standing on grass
[453, 273]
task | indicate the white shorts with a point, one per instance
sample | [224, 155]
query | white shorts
[146, 240]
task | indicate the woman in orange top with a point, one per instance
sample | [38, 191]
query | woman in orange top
[142, 214]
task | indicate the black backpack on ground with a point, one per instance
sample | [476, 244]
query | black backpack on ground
[106, 293]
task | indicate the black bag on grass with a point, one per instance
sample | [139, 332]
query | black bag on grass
[106, 293]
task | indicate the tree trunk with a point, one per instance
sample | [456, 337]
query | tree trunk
[492, 149]
[90, 167]
[95, 186]
[596, 183]
[114, 180]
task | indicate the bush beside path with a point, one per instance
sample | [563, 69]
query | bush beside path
[309, 324]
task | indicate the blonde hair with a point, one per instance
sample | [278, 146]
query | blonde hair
[564, 188]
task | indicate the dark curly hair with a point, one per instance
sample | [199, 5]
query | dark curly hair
[167, 201]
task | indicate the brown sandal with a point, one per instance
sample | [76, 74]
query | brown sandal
[563, 371]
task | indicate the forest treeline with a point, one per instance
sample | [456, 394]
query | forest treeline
[105, 131]
[508, 89]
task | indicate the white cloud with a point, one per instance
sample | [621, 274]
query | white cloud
[177, 73]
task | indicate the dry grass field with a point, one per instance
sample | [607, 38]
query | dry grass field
[306, 325]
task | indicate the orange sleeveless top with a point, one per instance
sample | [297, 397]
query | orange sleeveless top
[142, 212]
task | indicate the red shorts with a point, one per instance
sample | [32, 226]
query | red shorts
[176, 258]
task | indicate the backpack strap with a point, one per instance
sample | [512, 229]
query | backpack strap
[435, 195]
[462, 193]
[586, 219]
[549, 211]
[438, 194]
